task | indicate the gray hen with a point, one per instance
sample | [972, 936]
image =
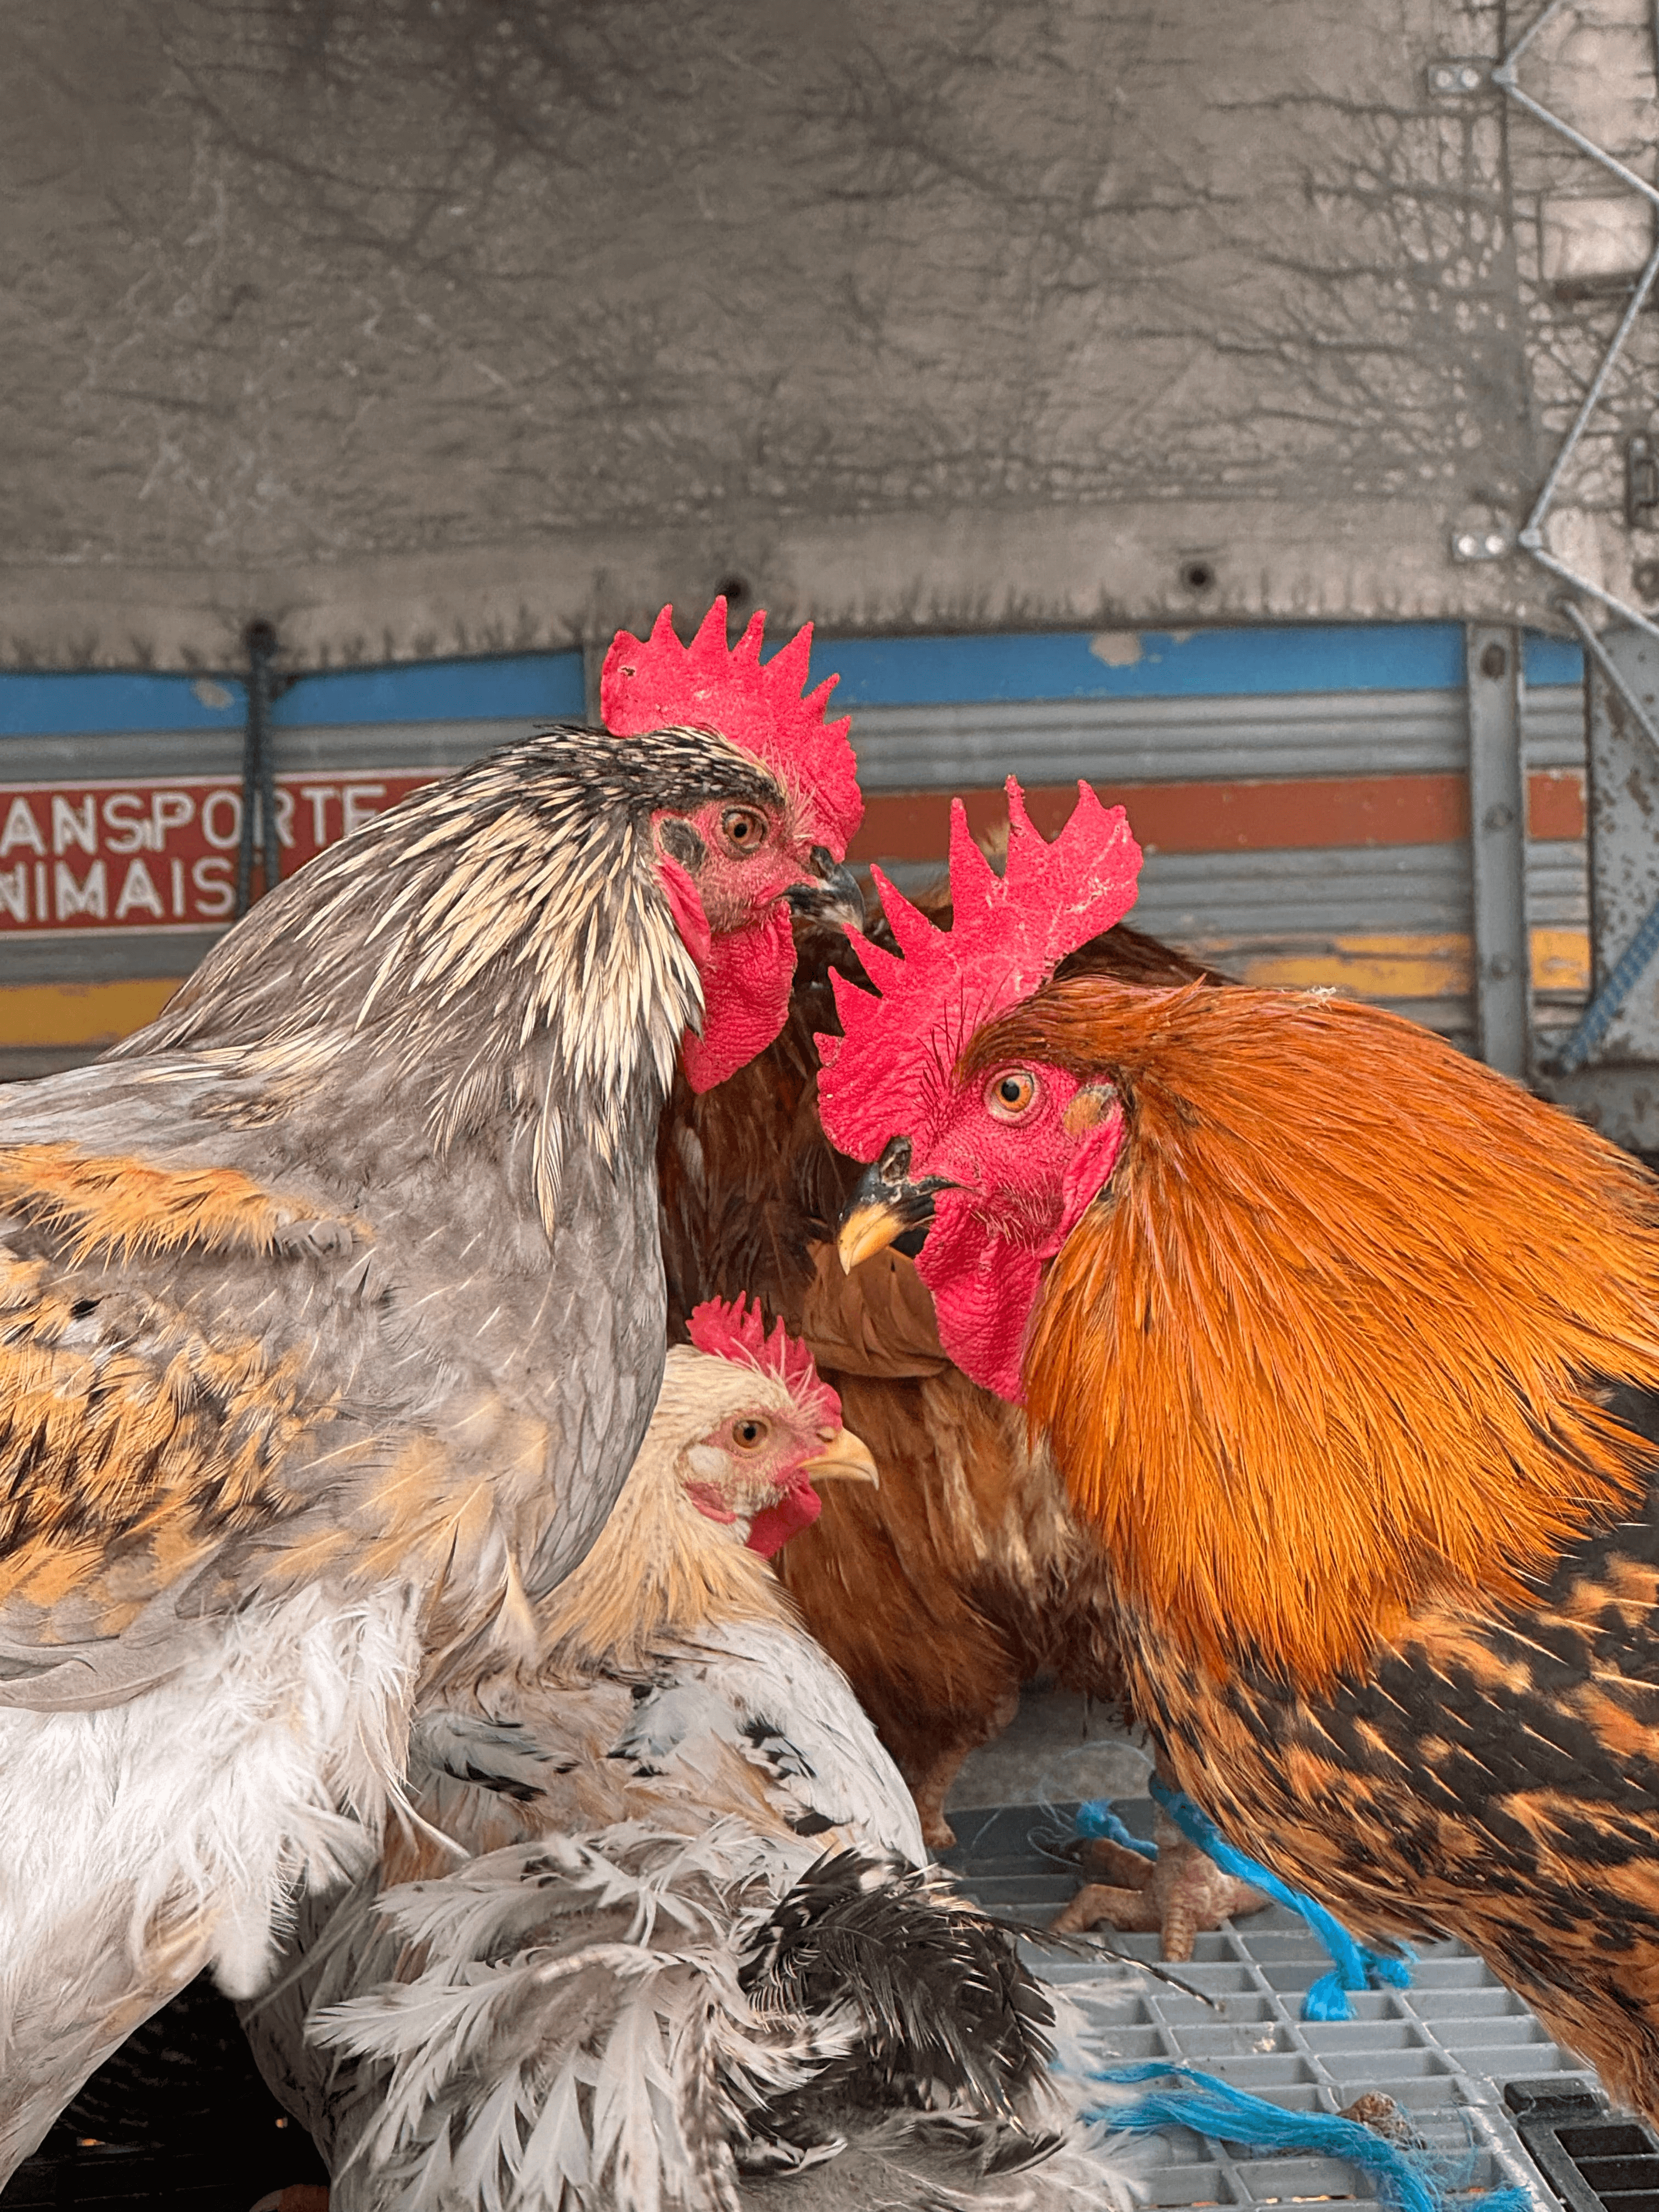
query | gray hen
[334, 1315]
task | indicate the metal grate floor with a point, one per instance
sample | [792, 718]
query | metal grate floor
[1442, 2049]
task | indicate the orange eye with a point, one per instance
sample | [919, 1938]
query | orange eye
[744, 830]
[748, 1435]
[1011, 1095]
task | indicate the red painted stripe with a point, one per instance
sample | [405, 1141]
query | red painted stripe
[1221, 817]
[1555, 803]
[1200, 818]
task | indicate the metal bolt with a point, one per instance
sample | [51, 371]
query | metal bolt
[1498, 816]
[1467, 544]
[1500, 965]
[1446, 77]
[1494, 662]
[1495, 543]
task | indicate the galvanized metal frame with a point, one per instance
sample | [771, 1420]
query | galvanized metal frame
[1498, 836]
[1530, 537]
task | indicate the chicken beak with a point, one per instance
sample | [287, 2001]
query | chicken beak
[845, 1458]
[886, 1205]
[834, 897]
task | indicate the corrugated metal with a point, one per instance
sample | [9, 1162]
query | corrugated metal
[1390, 917]
[1554, 732]
[1554, 735]
[1214, 898]
[942, 748]
[122, 955]
[1390, 922]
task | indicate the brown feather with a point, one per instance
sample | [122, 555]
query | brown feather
[965, 1574]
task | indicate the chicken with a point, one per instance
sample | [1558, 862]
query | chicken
[1348, 1351]
[965, 1574]
[693, 1935]
[333, 1317]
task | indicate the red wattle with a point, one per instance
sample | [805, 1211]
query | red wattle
[774, 1525]
[983, 1290]
[746, 974]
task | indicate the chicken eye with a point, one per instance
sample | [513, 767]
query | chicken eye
[750, 1435]
[744, 830]
[1011, 1095]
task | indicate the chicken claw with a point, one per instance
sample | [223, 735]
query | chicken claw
[1179, 1894]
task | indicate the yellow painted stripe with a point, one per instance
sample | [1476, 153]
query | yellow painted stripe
[1387, 966]
[1371, 967]
[1561, 961]
[81, 1013]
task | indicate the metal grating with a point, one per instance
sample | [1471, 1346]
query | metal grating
[1442, 2049]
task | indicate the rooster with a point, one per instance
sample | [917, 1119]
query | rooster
[1348, 1351]
[966, 1572]
[334, 1315]
[693, 1937]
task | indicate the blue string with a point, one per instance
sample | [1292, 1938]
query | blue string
[1096, 1818]
[1409, 2181]
[1355, 1967]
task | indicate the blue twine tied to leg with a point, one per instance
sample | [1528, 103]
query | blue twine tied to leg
[1409, 2181]
[1355, 1966]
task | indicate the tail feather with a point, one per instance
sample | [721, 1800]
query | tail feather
[950, 2015]
[593, 1987]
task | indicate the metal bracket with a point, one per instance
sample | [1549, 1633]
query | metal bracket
[1481, 544]
[1498, 840]
[258, 768]
[1457, 77]
[1641, 482]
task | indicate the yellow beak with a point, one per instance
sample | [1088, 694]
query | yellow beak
[845, 1458]
[867, 1230]
[886, 1205]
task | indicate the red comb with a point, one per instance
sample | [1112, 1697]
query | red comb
[721, 1327]
[657, 683]
[1008, 935]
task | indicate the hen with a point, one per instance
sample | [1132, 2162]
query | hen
[966, 1573]
[333, 1317]
[1348, 1350]
[692, 1939]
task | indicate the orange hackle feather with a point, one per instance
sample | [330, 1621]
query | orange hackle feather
[1331, 1344]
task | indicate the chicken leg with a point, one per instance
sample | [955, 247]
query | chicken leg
[1179, 1894]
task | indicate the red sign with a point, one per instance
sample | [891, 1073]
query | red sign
[160, 852]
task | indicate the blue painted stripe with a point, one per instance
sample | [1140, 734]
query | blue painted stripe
[1145, 665]
[532, 687]
[873, 671]
[1551, 659]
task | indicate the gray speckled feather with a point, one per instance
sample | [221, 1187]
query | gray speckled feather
[331, 1315]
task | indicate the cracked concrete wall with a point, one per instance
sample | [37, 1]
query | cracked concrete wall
[422, 326]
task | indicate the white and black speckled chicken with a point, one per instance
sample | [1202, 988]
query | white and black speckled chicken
[331, 1316]
[694, 1944]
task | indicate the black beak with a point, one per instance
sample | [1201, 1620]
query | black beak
[836, 897]
[886, 1206]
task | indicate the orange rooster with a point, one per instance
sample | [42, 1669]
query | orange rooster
[1348, 1351]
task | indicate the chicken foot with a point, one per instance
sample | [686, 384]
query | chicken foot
[1178, 1895]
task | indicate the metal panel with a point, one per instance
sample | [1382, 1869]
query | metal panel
[1618, 1090]
[1498, 813]
[1624, 809]
[1209, 898]
[943, 748]
[336, 749]
[1553, 733]
[1390, 922]
[1554, 742]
